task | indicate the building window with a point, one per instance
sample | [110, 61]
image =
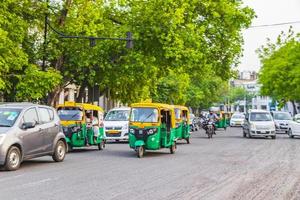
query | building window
[263, 107]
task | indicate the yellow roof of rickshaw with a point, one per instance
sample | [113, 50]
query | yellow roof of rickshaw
[181, 107]
[152, 105]
[85, 106]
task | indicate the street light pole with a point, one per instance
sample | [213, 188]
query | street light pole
[45, 37]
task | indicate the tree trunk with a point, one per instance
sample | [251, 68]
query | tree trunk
[294, 108]
[81, 95]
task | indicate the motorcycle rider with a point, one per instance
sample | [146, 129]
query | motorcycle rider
[214, 117]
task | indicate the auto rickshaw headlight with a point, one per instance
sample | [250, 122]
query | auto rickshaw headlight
[151, 131]
[131, 130]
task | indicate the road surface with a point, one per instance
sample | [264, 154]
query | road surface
[225, 167]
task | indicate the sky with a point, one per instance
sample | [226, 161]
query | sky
[267, 12]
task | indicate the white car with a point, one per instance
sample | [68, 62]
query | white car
[294, 127]
[116, 124]
[282, 120]
[237, 119]
[259, 123]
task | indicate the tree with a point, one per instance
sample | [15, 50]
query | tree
[280, 72]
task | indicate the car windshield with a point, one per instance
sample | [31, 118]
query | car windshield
[282, 116]
[238, 116]
[117, 115]
[70, 114]
[8, 116]
[260, 117]
[144, 115]
[177, 113]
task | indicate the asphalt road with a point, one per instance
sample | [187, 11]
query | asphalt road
[225, 167]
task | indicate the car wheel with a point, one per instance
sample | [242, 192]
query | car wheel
[290, 133]
[13, 159]
[59, 151]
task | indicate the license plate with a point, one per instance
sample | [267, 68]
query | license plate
[263, 131]
[140, 131]
[113, 131]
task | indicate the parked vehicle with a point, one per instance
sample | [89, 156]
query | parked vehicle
[237, 119]
[182, 123]
[282, 120]
[294, 126]
[116, 124]
[152, 127]
[259, 123]
[82, 124]
[28, 131]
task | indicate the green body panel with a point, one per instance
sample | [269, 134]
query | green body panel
[182, 130]
[221, 123]
[79, 139]
[155, 141]
[139, 143]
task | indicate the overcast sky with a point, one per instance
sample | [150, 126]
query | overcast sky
[268, 12]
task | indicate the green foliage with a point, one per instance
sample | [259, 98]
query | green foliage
[36, 83]
[183, 50]
[280, 73]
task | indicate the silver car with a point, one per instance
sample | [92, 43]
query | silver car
[29, 131]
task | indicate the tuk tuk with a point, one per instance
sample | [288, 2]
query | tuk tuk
[221, 123]
[152, 127]
[82, 124]
[182, 119]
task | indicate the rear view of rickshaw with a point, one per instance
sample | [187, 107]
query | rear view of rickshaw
[152, 127]
[82, 124]
[182, 118]
[221, 123]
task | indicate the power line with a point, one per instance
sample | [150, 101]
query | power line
[276, 24]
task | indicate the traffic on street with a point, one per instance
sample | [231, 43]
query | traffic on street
[225, 167]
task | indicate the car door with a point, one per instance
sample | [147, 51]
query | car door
[48, 126]
[295, 126]
[247, 123]
[32, 139]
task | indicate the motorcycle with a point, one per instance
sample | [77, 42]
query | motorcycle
[209, 127]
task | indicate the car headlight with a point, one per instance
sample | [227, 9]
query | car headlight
[2, 137]
[252, 126]
[131, 130]
[277, 125]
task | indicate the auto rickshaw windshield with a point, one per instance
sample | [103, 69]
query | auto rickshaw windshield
[70, 114]
[144, 115]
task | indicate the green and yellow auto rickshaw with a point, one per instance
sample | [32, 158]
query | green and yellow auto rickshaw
[182, 118]
[82, 124]
[152, 126]
[221, 123]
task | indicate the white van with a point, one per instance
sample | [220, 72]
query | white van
[116, 124]
[259, 123]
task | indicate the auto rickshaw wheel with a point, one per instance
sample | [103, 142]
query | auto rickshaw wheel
[70, 148]
[173, 148]
[187, 140]
[140, 151]
[101, 145]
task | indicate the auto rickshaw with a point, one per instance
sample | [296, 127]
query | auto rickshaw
[221, 123]
[151, 127]
[82, 124]
[182, 118]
